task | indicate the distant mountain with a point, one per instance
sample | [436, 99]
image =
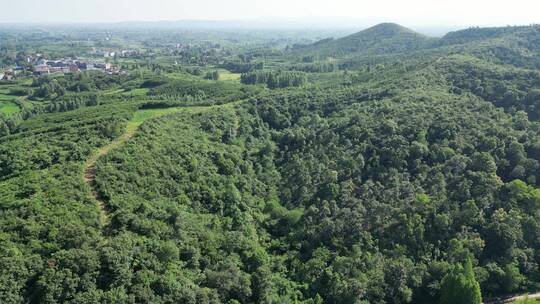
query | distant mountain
[268, 23]
[475, 34]
[514, 45]
[382, 38]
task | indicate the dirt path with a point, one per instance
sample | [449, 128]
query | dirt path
[514, 299]
[90, 172]
[139, 117]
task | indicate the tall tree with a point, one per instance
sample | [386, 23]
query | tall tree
[460, 286]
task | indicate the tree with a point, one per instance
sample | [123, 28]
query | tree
[214, 75]
[4, 129]
[460, 286]
[93, 100]
[484, 162]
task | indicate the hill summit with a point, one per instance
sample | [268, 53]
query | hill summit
[381, 38]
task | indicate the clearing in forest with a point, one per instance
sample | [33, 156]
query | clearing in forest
[8, 108]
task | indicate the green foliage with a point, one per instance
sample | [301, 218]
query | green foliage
[8, 108]
[192, 89]
[243, 66]
[372, 184]
[382, 38]
[273, 80]
[460, 286]
[214, 75]
[320, 67]
[510, 88]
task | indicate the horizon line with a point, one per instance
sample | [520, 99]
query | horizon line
[298, 22]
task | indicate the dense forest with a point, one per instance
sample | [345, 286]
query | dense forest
[381, 167]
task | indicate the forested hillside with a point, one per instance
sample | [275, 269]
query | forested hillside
[404, 169]
[380, 39]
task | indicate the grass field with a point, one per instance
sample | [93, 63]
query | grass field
[136, 92]
[140, 116]
[228, 76]
[113, 92]
[8, 108]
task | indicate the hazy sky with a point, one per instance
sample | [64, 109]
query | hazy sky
[413, 12]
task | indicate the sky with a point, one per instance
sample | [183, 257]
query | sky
[408, 12]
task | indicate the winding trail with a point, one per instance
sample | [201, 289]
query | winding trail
[90, 172]
[140, 116]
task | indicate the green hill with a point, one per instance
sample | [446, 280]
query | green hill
[512, 45]
[475, 34]
[382, 38]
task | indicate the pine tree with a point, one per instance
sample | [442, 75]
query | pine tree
[460, 286]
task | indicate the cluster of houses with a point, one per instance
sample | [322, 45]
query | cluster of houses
[71, 66]
[7, 75]
[35, 64]
[112, 54]
[41, 66]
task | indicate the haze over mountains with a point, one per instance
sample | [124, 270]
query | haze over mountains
[345, 24]
[391, 38]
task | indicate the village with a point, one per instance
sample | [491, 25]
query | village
[112, 54]
[39, 66]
